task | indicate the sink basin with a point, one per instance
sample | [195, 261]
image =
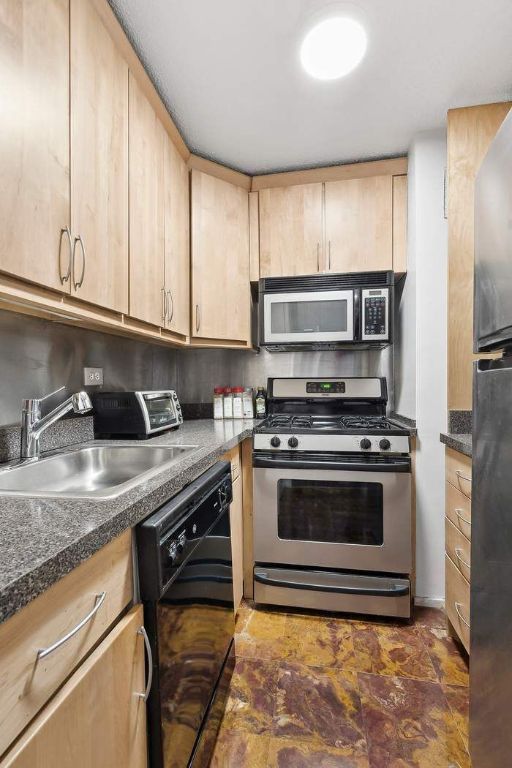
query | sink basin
[92, 472]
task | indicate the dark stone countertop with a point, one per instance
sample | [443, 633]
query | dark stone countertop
[459, 442]
[405, 422]
[42, 539]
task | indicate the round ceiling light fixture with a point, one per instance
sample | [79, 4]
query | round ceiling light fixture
[333, 48]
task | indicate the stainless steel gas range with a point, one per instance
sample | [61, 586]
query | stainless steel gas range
[332, 499]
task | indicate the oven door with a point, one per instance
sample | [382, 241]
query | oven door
[314, 316]
[323, 511]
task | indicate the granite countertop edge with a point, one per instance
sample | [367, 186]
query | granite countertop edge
[81, 527]
[463, 443]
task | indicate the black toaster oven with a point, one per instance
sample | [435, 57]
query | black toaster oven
[136, 415]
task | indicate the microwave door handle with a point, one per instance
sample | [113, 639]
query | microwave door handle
[357, 315]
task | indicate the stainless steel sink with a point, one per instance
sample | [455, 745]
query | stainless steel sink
[93, 472]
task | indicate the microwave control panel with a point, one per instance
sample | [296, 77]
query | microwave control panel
[375, 305]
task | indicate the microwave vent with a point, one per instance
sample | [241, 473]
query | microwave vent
[330, 282]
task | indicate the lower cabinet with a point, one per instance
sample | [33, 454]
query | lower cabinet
[237, 541]
[236, 521]
[97, 719]
[458, 544]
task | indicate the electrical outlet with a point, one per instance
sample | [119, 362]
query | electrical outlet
[93, 377]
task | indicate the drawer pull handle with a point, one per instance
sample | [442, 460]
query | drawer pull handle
[459, 514]
[43, 652]
[458, 550]
[144, 696]
[458, 606]
[462, 476]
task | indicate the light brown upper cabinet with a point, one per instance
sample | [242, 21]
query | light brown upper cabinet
[34, 141]
[177, 237]
[359, 224]
[220, 260]
[146, 152]
[99, 162]
[291, 230]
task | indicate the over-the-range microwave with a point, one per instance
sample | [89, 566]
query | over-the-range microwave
[331, 311]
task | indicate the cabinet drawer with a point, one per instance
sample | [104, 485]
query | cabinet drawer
[97, 718]
[457, 601]
[458, 510]
[458, 471]
[234, 457]
[104, 582]
[458, 548]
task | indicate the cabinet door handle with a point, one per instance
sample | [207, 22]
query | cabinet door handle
[460, 559]
[458, 606]
[460, 516]
[144, 696]
[43, 652]
[65, 231]
[318, 257]
[78, 283]
[329, 254]
[164, 305]
[171, 304]
[198, 318]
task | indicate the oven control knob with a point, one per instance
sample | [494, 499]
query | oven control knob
[293, 442]
[384, 445]
[180, 547]
[365, 444]
[275, 442]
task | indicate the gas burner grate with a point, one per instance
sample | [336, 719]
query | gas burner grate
[300, 422]
[365, 422]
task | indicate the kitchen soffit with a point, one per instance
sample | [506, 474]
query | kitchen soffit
[230, 74]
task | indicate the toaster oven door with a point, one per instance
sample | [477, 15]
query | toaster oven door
[309, 316]
[159, 410]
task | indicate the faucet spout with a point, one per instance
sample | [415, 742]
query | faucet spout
[33, 426]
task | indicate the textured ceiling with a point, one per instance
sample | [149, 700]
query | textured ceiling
[230, 74]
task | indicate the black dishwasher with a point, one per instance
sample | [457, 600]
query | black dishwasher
[185, 570]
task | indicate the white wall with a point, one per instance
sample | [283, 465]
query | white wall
[421, 378]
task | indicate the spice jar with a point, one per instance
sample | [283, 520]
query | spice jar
[218, 403]
[238, 410]
[228, 403]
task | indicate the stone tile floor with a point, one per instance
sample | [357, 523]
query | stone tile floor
[313, 691]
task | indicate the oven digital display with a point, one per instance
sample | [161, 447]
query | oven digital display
[315, 387]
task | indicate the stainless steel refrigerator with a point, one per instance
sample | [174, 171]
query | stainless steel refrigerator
[491, 534]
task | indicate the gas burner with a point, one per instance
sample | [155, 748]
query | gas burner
[283, 420]
[365, 422]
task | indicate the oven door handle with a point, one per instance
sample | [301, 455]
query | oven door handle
[309, 461]
[395, 590]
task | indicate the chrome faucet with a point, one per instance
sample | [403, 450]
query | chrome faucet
[33, 426]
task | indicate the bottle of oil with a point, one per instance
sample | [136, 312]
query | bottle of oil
[261, 403]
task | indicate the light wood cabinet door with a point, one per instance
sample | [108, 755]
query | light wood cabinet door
[220, 259]
[97, 720]
[177, 239]
[99, 161]
[359, 224]
[237, 541]
[146, 146]
[34, 140]
[291, 230]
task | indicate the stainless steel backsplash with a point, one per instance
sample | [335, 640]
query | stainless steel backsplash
[38, 356]
[199, 370]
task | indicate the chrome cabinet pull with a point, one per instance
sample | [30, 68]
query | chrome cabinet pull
[171, 304]
[65, 278]
[144, 696]
[460, 559]
[458, 606]
[460, 516]
[329, 254]
[318, 257]
[78, 283]
[198, 318]
[461, 476]
[164, 305]
[43, 652]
